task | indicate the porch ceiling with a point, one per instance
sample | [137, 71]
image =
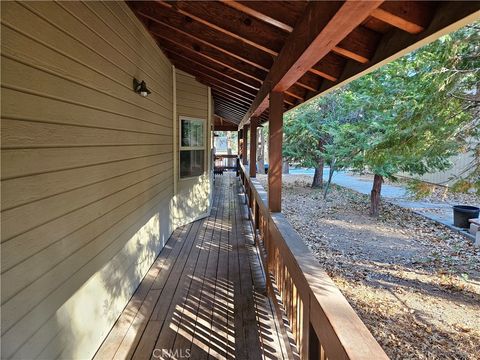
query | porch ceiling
[221, 124]
[244, 50]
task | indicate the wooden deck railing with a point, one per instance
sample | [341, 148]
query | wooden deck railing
[322, 322]
[225, 162]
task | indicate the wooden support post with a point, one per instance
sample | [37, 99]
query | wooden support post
[275, 139]
[239, 143]
[244, 145]
[253, 147]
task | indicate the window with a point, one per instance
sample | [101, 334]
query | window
[192, 147]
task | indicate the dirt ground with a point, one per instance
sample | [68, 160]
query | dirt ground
[414, 283]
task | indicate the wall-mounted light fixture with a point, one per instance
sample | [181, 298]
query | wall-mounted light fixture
[140, 87]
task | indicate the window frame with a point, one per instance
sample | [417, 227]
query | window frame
[190, 148]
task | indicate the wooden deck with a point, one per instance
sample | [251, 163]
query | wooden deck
[204, 295]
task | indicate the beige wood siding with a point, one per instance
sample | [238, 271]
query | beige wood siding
[192, 200]
[87, 171]
[462, 166]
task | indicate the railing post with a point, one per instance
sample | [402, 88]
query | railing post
[253, 147]
[244, 145]
[275, 139]
[305, 352]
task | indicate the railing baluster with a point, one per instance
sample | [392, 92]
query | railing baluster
[310, 299]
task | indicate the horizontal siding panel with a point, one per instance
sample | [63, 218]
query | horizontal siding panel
[20, 75]
[68, 276]
[26, 134]
[125, 41]
[24, 162]
[142, 41]
[192, 96]
[189, 80]
[42, 211]
[19, 277]
[20, 46]
[95, 16]
[86, 170]
[188, 111]
[47, 109]
[29, 243]
[19, 191]
[71, 35]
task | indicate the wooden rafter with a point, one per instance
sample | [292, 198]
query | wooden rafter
[244, 50]
[174, 38]
[249, 53]
[396, 43]
[213, 79]
[317, 32]
[359, 45]
[258, 15]
[223, 124]
[230, 104]
[229, 110]
[205, 60]
[191, 27]
[241, 83]
[232, 23]
[228, 101]
[219, 93]
[180, 41]
[410, 16]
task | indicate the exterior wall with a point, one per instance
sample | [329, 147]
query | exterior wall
[192, 200]
[460, 169]
[87, 171]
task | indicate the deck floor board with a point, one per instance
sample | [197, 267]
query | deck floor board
[203, 297]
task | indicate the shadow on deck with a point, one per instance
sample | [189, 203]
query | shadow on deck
[204, 297]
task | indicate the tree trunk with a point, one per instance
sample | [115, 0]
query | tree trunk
[375, 195]
[261, 153]
[330, 176]
[318, 176]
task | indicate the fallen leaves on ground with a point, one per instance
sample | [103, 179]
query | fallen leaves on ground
[414, 283]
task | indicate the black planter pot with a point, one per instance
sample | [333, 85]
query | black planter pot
[461, 214]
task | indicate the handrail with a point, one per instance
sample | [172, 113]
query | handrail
[322, 322]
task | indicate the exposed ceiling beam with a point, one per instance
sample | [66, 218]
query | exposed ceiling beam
[233, 127]
[359, 45]
[188, 25]
[215, 79]
[174, 38]
[258, 15]
[218, 120]
[219, 93]
[237, 81]
[314, 36]
[410, 16]
[229, 110]
[198, 57]
[254, 58]
[236, 96]
[230, 103]
[221, 96]
[218, 85]
[309, 82]
[222, 113]
[226, 20]
[449, 16]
